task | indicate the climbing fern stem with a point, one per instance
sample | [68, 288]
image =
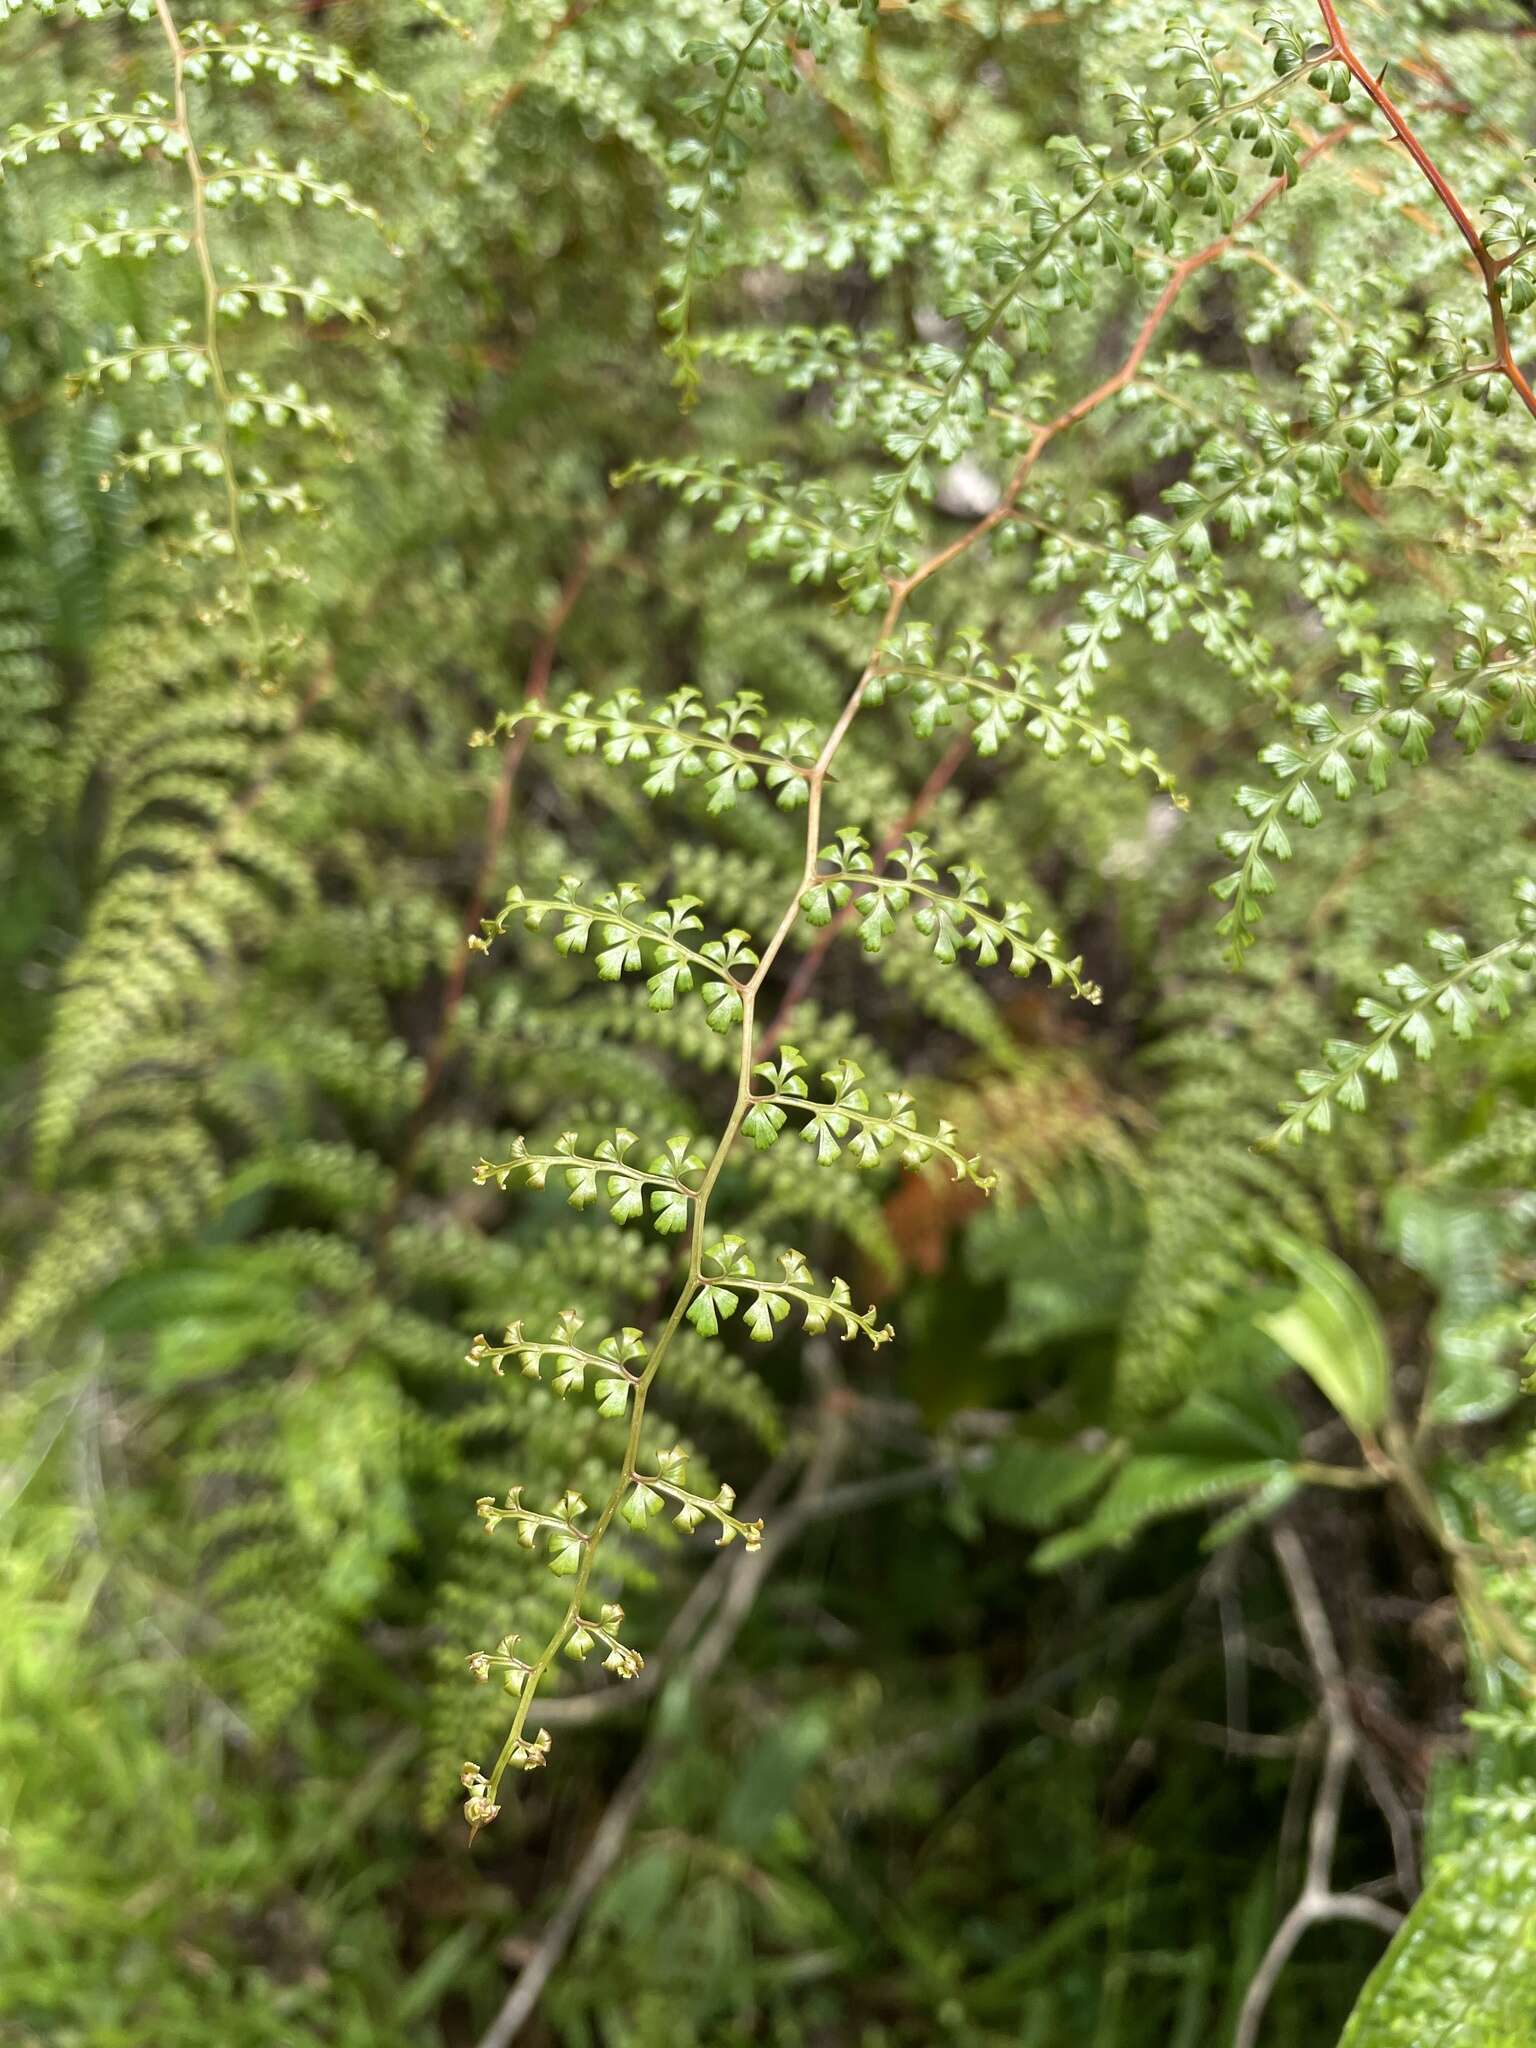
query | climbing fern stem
[482, 1805]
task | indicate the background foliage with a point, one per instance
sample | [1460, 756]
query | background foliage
[371, 372]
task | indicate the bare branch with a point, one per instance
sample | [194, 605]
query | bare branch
[1488, 268]
[1317, 1900]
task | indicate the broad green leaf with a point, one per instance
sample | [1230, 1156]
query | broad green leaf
[1236, 1437]
[1269, 1498]
[1149, 1488]
[1034, 1484]
[1241, 1416]
[768, 1777]
[1331, 1329]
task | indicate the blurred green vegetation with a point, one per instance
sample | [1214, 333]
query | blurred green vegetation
[1019, 1737]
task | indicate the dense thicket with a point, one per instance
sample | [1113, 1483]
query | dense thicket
[942, 594]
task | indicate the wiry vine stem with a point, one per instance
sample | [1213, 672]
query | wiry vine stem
[751, 1048]
[1489, 267]
[203, 253]
[1003, 304]
[799, 987]
[694, 1277]
[1007, 508]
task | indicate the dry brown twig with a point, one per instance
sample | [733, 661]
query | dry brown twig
[1317, 1900]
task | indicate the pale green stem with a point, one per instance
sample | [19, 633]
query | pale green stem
[202, 251]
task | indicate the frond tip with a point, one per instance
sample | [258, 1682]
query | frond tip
[1470, 986]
